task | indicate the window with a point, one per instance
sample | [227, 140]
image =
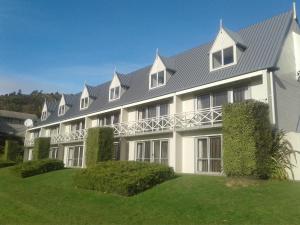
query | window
[155, 151]
[157, 79]
[44, 115]
[153, 111]
[239, 94]
[220, 98]
[203, 101]
[209, 154]
[77, 126]
[114, 93]
[61, 110]
[53, 153]
[222, 58]
[84, 103]
[75, 154]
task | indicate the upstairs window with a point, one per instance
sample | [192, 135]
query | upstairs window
[222, 58]
[239, 94]
[84, 103]
[157, 79]
[61, 110]
[44, 115]
[114, 93]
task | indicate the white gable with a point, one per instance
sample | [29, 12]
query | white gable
[62, 100]
[158, 65]
[115, 81]
[222, 41]
[45, 108]
[85, 92]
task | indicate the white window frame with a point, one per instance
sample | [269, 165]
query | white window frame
[85, 104]
[44, 115]
[78, 159]
[55, 151]
[207, 137]
[157, 108]
[222, 58]
[152, 159]
[61, 110]
[158, 85]
[114, 97]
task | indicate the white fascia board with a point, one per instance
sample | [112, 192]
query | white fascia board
[217, 83]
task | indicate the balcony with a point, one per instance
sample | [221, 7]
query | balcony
[206, 118]
[182, 121]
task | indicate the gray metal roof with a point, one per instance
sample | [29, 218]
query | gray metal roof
[236, 37]
[263, 40]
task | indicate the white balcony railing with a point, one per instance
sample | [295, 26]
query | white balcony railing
[187, 120]
[181, 121]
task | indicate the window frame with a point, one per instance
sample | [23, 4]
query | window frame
[61, 110]
[157, 83]
[44, 115]
[209, 158]
[112, 93]
[234, 49]
[85, 103]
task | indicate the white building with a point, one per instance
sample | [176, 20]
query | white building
[171, 111]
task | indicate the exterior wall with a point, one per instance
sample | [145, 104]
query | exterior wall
[222, 41]
[294, 139]
[286, 87]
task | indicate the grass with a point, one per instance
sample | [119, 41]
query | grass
[51, 199]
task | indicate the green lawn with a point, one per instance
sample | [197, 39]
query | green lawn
[51, 199]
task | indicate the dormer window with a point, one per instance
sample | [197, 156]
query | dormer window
[224, 57]
[114, 93]
[157, 79]
[61, 110]
[44, 115]
[84, 103]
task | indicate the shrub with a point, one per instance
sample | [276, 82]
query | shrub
[247, 139]
[6, 163]
[281, 153]
[41, 148]
[122, 177]
[35, 167]
[99, 145]
[12, 150]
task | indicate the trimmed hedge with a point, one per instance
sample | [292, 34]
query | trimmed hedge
[122, 177]
[99, 145]
[6, 163]
[247, 134]
[41, 148]
[31, 168]
[12, 150]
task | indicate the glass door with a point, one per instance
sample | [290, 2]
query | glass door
[75, 155]
[209, 157]
[143, 151]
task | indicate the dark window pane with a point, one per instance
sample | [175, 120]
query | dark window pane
[117, 92]
[239, 94]
[217, 59]
[163, 109]
[203, 101]
[112, 93]
[152, 111]
[161, 78]
[220, 98]
[228, 55]
[147, 151]
[153, 80]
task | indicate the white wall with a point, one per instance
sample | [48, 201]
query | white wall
[294, 139]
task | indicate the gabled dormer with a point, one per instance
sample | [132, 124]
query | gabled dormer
[45, 112]
[64, 105]
[160, 72]
[117, 86]
[226, 49]
[87, 97]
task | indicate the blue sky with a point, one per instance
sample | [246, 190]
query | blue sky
[57, 45]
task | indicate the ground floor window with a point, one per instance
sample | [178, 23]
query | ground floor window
[53, 153]
[209, 156]
[75, 154]
[116, 155]
[152, 151]
[30, 154]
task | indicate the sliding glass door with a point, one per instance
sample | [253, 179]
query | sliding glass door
[152, 151]
[209, 156]
[75, 154]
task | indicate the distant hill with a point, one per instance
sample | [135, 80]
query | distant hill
[27, 103]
